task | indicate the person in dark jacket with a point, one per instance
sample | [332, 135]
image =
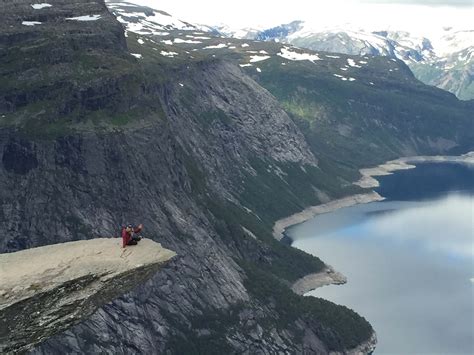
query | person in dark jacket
[130, 235]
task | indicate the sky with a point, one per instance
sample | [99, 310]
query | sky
[414, 15]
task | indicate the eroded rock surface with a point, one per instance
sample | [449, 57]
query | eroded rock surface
[46, 290]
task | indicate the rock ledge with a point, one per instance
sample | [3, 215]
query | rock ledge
[46, 290]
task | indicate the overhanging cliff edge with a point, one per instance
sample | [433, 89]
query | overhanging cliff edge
[46, 290]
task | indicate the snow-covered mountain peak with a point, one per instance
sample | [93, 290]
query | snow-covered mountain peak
[241, 33]
[440, 42]
[454, 40]
[441, 56]
[145, 20]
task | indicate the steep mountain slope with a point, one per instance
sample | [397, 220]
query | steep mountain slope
[380, 110]
[96, 137]
[444, 60]
[374, 100]
[176, 130]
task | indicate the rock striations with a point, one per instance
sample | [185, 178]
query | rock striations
[46, 290]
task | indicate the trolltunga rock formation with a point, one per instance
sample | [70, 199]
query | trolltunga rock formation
[46, 290]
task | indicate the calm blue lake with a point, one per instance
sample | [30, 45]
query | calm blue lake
[409, 260]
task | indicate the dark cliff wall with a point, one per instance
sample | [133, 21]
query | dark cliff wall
[123, 146]
[199, 152]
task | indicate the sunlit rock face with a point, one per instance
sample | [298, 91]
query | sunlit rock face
[46, 290]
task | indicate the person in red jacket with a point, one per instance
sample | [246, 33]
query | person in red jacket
[130, 235]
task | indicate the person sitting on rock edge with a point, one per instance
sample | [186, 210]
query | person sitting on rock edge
[130, 235]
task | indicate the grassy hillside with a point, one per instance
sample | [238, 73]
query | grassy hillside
[384, 113]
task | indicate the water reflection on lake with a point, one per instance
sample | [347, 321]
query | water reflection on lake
[409, 260]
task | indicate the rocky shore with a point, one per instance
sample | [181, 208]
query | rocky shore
[310, 212]
[368, 181]
[329, 276]
[313, 281]
[365, 348]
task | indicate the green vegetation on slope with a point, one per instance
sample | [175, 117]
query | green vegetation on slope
[281, 189]
[270, 267]
[379, 116]
[341, 328]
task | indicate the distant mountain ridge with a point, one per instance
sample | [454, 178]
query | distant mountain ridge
[446, 60]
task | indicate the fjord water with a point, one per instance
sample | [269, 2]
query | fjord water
[409, 260]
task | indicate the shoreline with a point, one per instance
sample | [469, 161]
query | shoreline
[368, 181]
[281, 225]
[367, 347]
[328, 276]
[310, 282]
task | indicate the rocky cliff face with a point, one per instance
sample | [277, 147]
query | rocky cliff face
[88, 183]
[126, 142]
[198, 151]
[48, 289]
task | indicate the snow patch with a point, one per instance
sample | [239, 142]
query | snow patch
[343, 78]
[217, 46]
[352, 63]
[258, 58]
[181, 84]
[31, 23]
[333, 56]
[245, 45]
[180, 40]
[288, 54]
[246, 65]
[136, 55]
[198, 37]
[259, 70]
[168, 54]
[84, 18]
[41, 6]
[143, 22]
[140, 41]
[168, 42]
